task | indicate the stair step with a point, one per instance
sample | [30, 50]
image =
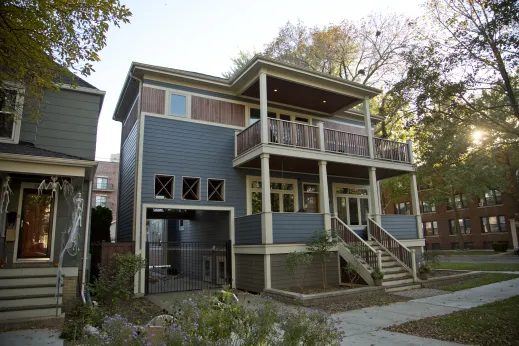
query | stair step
[35, 280]
[393, 275]
[397, 281]
[42, 300]
[15, 291]
[29, 312]
[403, 287]
[392, 269]
[26, 272]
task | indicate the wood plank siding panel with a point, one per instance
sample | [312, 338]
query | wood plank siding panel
[153, 100]
[217, 111]
[400, 226]
[250, 271]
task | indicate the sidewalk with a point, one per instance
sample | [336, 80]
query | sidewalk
[365, 326]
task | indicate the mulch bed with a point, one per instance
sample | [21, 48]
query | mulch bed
[312, 290]
[441, 273]
[359, 303]
[136, 310]
[489, 324]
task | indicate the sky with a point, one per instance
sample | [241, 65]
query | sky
[202, 36]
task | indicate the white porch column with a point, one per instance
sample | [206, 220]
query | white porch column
[324, 199]
[513, 229]
[367, 124]
[322, 145]
[266, 215]
[415, 199]
[263, 108]
[374, 195]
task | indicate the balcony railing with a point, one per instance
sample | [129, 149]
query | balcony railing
[300, 135]
[105, 187]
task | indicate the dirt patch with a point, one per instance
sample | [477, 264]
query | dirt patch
[354, 303]
[136, 310]
[312, 290]
[442, 273]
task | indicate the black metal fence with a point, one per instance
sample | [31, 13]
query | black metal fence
[175, 266]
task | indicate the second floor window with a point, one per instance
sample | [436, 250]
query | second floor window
[403, 208]
[102, 183]
[431, 228]
[460, 200]
[101, 201]
[491, 224]
[492, 197]
[428, 207]
[177, 105]
[7, 114]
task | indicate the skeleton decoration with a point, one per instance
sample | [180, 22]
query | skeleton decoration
[71, 246]
[6, 192]
[55, 185]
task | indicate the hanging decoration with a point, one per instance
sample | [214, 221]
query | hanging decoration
[6, 192]
[55, 185]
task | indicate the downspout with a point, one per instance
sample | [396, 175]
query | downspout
[86, 241]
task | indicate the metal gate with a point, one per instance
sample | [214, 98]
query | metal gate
[176, 266]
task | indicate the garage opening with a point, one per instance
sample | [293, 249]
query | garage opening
[187, 250]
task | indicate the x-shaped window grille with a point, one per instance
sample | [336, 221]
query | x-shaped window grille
[164, 186]
[190, 188]
[215, 190]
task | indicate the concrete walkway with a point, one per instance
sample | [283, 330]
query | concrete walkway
[365, 326]
[31, 337]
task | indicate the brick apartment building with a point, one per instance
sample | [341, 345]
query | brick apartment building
[482, 221]
[106, 184]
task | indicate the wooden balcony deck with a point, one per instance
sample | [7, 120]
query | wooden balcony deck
[300, 135]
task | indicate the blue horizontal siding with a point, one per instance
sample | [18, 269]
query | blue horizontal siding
[247, 229]
[400, 226]
[295, 227]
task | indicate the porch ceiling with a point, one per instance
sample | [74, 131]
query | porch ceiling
[301, 95]
[297, 165]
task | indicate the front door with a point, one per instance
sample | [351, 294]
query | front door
[35, 233]
[351, 204]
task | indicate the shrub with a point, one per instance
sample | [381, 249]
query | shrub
[115, 281]
[500, 247]
[204, 320]
[321, 242]
[424, 268]
[83, 315]
[101, 220]
[296, 259]
[377, 274]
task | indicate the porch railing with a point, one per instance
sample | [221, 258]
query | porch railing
[344, 142]
[391, 150]
[392, 246]
[249, 138]
[293, 134]
[355, 244]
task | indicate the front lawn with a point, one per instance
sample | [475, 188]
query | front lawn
[486, 279]
[489, 324]
[466, 253]
[478, 266]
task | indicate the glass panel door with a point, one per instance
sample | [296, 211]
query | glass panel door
[36, 223]
[364, 209]
[342, 212]
[353, 208]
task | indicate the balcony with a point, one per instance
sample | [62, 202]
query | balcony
[318, 138]
[104, 187]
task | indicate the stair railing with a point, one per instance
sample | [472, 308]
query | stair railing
[392, 246]
[356, 245]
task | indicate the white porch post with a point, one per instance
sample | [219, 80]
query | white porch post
[415, 199]
[374, 195]
[266, 211]
[324, 200]
[322, 145]
[263, 108]
[369, 132]
[513, 229]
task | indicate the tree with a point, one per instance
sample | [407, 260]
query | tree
[100, 226]
[320, 244]
[41, 40]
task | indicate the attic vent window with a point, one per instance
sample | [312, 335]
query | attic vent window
[191, 189]
[164, 185]
[216, 190]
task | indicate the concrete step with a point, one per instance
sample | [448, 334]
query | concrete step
[395, 275]
[27, 280]
[35, 300]
[397, 281]
[24, 272]
[29, 312]
[403, 287]
[19, 291]
[390, 264]
[392, 269]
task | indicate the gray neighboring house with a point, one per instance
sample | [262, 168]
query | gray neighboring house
[35, 224]
[258, 162]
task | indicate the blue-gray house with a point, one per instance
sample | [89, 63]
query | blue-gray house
[47, 165]
[245, 169]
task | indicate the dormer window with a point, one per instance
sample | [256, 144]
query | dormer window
[9, 115]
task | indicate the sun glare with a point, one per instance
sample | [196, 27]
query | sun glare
[478, 135]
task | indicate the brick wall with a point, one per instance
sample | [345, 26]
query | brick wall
[109, 170]
[71, 295]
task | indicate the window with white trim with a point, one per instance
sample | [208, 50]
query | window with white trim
[178, 105]
[8, 104]
[283, 195]
[311, 198]
[101, 201]
[102, 183]
[191, 189]
[164, 186]
[216, 190]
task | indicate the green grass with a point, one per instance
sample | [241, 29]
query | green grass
[478, 266]
[489, 324]
[486, 279]
[467, 253]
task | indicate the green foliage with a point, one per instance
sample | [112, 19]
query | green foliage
[205, 320]
[83, 315]
[42, 40]
[377, 274]
[424, 268]
[115, 280]
[351, 272]
[101, 220]
[296, 259]
[319, 245]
